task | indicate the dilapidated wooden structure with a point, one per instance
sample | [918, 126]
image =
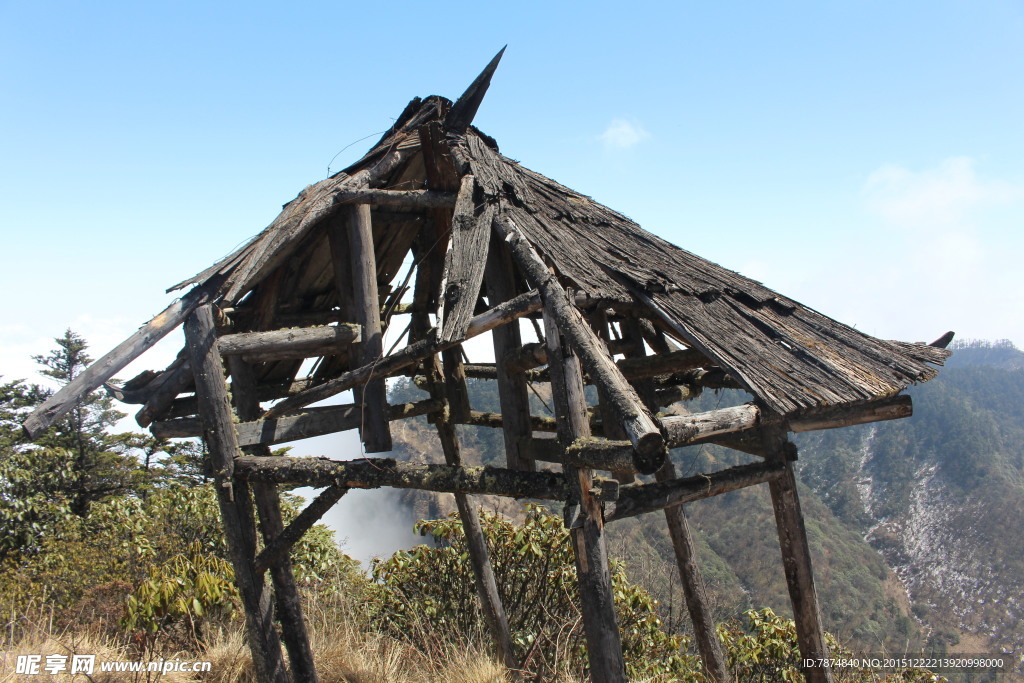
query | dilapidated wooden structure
[435, 230]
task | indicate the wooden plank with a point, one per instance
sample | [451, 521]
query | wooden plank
[796, 556]
[71, 394]
[233, 496]
[512, 391]
[268, 505]
[497, 315]
[637, 422]
[372, 473]
[644, 498]
[464, 262]
[604, 645]
[372, 395]
[309, 423]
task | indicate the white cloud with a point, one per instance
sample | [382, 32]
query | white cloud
[623, 134]
[941, 197]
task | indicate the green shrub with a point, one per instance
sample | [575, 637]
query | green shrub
[426, 596]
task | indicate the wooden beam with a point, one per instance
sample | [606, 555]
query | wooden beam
[796, 556]
[638, 424]
[685, 430]
[486, 585]
[372, 395]
[268, 505]
[309, 423]
[71, 394]
[277, 548]
[711, 657]
[512, 391]
[662, 364]
[535, 423]
[296, 342]
[372, 473]
[233, 496]
[171, 383]
[604, 645]
[464, 110]
[464, 262]
[643, 498]
[498, 315]
[413, 199]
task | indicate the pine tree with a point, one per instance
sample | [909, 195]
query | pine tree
[101, 462]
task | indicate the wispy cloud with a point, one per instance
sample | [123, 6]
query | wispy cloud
[623, 134]
[941, 197]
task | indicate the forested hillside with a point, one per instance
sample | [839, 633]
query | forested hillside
[941, 496]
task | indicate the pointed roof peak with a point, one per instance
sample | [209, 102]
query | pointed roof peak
[463, 111]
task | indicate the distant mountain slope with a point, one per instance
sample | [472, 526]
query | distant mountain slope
[941, 496]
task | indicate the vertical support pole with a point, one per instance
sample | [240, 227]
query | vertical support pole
[796, 554]
[376, 430]
[486, 585]
[233, 495]
[499, 278]
[604, 645]
[712, 658]
[456, 390]
[268, 505]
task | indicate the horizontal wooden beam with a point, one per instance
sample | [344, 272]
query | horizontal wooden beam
[414, 199]
[482, 419]
[682, 430]
[535, 354]
[735, 427]
[642, 498]
[588, 452]
[311, 422]
[371, 473]
[294, 342]
[384, 367]
[662, 364]
[685, 430]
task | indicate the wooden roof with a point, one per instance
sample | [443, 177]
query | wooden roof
[789, 356]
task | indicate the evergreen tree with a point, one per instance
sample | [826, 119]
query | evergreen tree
[101, 462]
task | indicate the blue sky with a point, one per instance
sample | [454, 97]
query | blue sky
[865, 158]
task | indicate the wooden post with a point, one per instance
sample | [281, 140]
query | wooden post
[512, 392]
[712, 659]
[268, 505]
[796, 555]
[483, 574]
[604, 645]
[486, 585]
[376, 432]
[233, 495]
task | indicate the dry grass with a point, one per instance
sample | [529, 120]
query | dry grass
[346, 649]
